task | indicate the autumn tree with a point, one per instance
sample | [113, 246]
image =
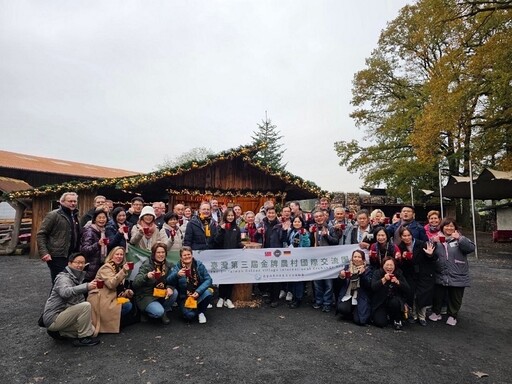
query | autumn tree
[436, 90]
[271, 154]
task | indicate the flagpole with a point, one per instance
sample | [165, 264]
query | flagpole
[440, 191]
[472, 205]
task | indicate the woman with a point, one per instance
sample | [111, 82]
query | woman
[117, 229]
[93, 244]
[390, 289]
[228, 237]
[172, 233]
[187, 214]
[382, 248]
[418, 266]
[355, 293]
[145, 232]
[153, 295]
[192, 281]
[452, 271]
[377, 217]
[432, 228]
[297, 237]
[111, 302]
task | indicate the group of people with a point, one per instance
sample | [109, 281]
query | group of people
[400, 269]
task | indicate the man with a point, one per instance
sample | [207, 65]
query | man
[66, 313]
[269, 234]
[407, 215]
[99, 201]
[201, 230]
[341, 225]
[109, 204]
[159, 208]
[325, 205]
[286, 214]
[59, 234]
[133, 213]
[179, 209]
[216, 213]
[362, 232]
[322, 235]
[263, 211]
[296, 210]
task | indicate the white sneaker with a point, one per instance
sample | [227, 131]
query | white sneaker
[282, 294]
[220, 303]
[202, 318]
[209, 306]
[228, 303]
[289, 296]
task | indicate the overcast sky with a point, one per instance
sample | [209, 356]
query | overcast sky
[128, 83]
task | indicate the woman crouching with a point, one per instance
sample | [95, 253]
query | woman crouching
[390, 290]
[354, 297]
[152, 294]
[192, 281]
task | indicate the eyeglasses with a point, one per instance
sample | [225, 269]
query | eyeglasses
[78, 262]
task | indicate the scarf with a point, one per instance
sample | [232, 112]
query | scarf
[162, 268]
[251, 232]
[206, 225]
[192, 279]
[103, 246]
[354, 283]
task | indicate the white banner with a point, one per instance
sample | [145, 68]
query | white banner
[267, 265]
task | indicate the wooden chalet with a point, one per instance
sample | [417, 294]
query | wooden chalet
[232, 177]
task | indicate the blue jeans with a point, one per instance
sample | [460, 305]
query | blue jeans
[126, 308]
[160, 306]
[297, 289]
[323, 292]
[202, 303]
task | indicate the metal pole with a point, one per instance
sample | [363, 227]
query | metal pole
[441, 191]
[472, 205]
[412, 197]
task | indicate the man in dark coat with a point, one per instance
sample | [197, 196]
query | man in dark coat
[59, 234]
[201, 229]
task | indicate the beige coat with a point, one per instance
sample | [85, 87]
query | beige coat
[106, 311]
[139, 240]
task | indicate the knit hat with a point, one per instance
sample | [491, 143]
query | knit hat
[138, 198]
[147, 210]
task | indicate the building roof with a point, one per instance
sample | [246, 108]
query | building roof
[193, 178]
[8, 185]
[64, 167]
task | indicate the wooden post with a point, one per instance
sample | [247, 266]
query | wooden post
[243, 292]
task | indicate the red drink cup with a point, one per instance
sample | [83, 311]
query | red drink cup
[105, 240]
[302, 231]
[373, 254]
[146, 231]
[157, 275]
[100, 284]
[350, 216]
[386, 220]
[408, 255]
[442, 239]
[343, 226]
[188, 273]
[348, 274]
[397, 215]
[125, 228]
[130, 265]
[228, 226]
[391, 276]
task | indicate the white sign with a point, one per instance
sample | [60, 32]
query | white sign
[267, 265]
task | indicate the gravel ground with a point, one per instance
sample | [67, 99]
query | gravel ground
[266, 345]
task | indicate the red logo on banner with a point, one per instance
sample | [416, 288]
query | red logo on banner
[268, 253]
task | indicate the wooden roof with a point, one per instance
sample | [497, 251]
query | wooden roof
[48, 165]
[230, 173]
[8, 184]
